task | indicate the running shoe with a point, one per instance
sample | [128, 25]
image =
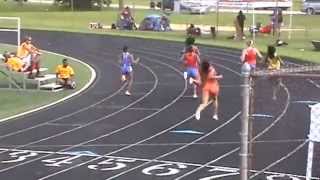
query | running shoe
[185, 75]
[197, 115]
[127, 93]
[123, 78]
[215, 117]
[191, 80]
[195, 96]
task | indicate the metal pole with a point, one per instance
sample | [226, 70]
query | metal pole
[309, 161]
[290, 23]
[72, 5]
[19, 32]
[217, 16]
[253, 23]
[250, 124]
[245, 72]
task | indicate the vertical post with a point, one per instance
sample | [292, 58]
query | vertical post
[245, 72]
[72, 5]
[19, 31]
[250, 124]
[121, 4]
[253, 22]
[217, 16]
[290, 23]
[309, 161]
[314, 137]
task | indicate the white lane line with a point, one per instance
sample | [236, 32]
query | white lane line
[91, 80]
[160, 84]
[180, 148]
[65, 116]
[270, 126]
[91, 122]
[137, 122]
[279, 160]
[207, 164]
[156, 161]
[61, 124]
[133, 108]
[253, 139]
[163, 144]
[132, 124]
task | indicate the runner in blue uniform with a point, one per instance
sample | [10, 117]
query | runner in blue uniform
[126, 62]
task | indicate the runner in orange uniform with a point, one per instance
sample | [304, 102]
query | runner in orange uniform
[210, 89]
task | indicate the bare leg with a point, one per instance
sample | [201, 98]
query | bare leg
[130, 81]
[195, 91]
[204, 103]
[215, 108]
[276, 88]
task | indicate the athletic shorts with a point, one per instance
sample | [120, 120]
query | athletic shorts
[125, 70]
[253, 66]
[192, 72]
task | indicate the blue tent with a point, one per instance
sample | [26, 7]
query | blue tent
[155, 22]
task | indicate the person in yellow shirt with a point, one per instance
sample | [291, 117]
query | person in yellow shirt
[65, 75]
[274, 62]
[12, 62]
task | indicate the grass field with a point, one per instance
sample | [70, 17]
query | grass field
[44, 17]
[14, 101]
[299, 45]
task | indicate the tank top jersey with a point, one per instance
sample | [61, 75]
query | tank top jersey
[126, 60]
[211, 84]
[251, 56]
[190, 60]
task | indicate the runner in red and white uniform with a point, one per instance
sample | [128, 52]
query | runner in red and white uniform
[249, 55]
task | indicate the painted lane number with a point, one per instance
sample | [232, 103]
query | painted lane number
[57, 162]
[112, 164]
[163, 167]
[20, 156]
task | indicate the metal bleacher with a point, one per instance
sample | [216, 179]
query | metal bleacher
[20, 80]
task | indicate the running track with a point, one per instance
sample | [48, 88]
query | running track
[103, 134]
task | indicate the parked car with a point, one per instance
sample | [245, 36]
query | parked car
[199, 9]
[311, 6]
[163, 4]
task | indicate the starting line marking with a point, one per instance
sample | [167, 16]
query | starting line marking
[79, 154]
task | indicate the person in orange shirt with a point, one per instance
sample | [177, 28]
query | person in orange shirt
[65, 75]
[26, 51]
[210, 89]
[191, 63]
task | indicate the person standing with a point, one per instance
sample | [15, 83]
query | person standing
[249, 55]
[277, 21]
[241, 19]
[126, 63]
[210, 89]
[274, 62]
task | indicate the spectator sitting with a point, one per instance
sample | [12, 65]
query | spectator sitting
[65, 74]
[12, 62]
[26, 52]
[126, 13]
[165, 24]
[192, 30]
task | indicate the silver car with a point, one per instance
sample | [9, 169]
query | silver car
[311, 6]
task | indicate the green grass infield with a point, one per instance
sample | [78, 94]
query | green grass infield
[18, 101]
